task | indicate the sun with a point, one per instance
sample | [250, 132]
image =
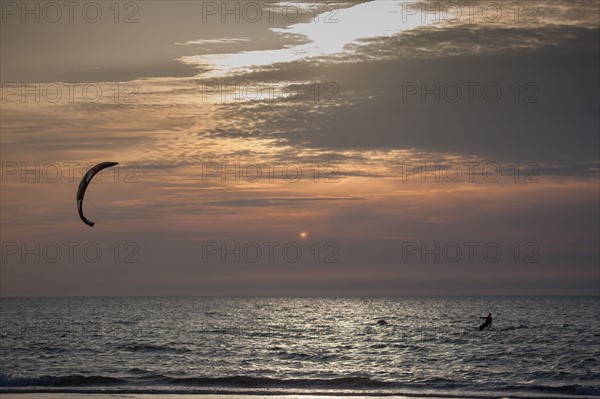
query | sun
[303, 235]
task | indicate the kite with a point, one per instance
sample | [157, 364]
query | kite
[87, 178]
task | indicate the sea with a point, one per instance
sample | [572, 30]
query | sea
[536, 347]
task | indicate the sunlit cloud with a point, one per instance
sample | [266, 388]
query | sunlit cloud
[331, 35]
[217, 41]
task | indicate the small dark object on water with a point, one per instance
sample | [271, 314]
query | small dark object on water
[487, 323]
[382, 322]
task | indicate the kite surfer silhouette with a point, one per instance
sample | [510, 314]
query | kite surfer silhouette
[487, 322]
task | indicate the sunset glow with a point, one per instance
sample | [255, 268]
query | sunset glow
[407, 130]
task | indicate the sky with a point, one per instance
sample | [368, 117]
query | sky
[300, 148]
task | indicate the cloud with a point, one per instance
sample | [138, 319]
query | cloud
[552, 117]
[287, 201]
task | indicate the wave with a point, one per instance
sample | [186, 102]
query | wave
[150, 348]
[573, 389]
[161, 383]
[307, 357]
[65, 381]
[234, 382]
[510, 328]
